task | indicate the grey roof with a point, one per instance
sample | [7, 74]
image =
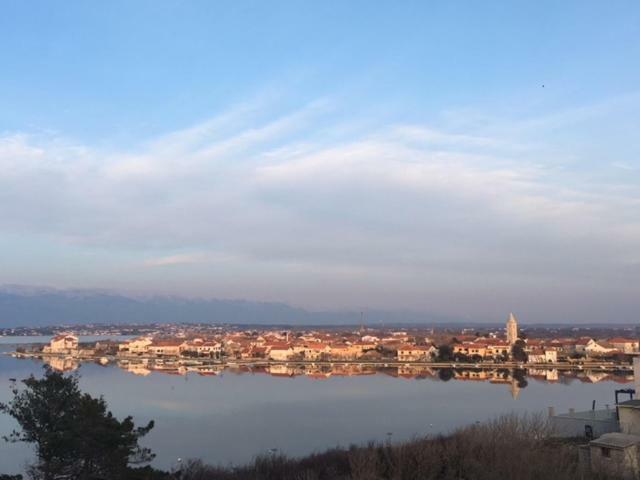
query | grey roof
[630, 403]
[616, 440]
[600, 415]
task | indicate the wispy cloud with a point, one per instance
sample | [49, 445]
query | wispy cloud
[401, 202]
[181, 259]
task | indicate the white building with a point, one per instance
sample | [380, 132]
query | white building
[203, 347]
[593, 347]
[280, 352]
[625, 345]
[135, 346]
[542, 356]
[66, 343]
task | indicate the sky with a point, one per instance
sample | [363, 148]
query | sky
[460, 158]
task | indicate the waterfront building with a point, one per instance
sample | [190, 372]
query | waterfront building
[470, 349]
[169, 347]
[542, 356]
[135, 346]
[342, 351]
[597, 348]
[625, 345]
[280, 352]
[315, 350]
[202, 347]
[414, 353]
[494, 347]
[66, 343]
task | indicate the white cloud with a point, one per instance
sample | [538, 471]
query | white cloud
[399, 201]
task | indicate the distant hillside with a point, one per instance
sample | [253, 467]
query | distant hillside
[34, 306]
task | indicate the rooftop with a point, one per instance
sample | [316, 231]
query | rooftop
[630, 403]
[602, 415]
[616, 440]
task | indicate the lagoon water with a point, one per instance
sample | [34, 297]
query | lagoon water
[231, 417]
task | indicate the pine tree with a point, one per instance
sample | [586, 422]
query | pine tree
[74, 434]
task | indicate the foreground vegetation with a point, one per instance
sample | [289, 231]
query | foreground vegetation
[74, 434]
[77, 438]
[509, 447]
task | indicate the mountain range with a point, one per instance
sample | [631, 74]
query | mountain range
[27, 306]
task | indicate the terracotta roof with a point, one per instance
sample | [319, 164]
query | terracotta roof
[167, 343]
[57, 338]
[420, 348]
[473, 345]
[536, 352]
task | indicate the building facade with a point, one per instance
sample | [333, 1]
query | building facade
[66, 343]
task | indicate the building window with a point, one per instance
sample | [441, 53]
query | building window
[606, 452]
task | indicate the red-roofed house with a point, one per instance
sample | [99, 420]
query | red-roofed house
[625, 345]
[202, 347]
[470, 349]
[313, 351]
[415, 353]
[280, 352]
[135, 346]
[65, 343]
[168, 348]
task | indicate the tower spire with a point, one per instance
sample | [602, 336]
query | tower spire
[512, 329]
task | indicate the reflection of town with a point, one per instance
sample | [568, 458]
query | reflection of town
[514, 379]
[502, 357]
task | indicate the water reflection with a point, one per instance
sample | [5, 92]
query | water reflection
[230, 413]
[514, 379]
[61, 364]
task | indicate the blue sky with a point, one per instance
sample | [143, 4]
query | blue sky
[464, 158]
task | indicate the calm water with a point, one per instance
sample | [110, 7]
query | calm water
[231, 417]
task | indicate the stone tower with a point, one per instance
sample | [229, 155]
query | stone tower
[512, 329]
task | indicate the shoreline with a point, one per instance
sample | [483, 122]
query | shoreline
[261, 362]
